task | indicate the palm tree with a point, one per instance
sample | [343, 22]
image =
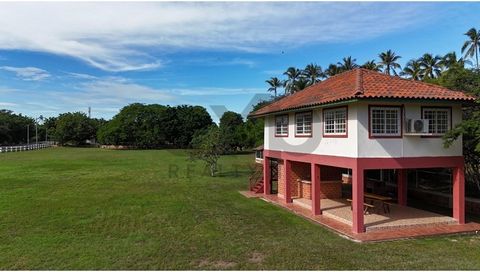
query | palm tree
[274, 83]
[371, 65]
[301, 84]
[348, 64]
[450, 60]
[471, 47]
[293, 75]
[413, 70]
[313, 73]
[430, 66]
[388, 61]
[332, 70]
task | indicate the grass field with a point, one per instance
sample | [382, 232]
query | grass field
[68, 208]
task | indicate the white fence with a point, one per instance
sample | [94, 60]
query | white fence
[19, 148]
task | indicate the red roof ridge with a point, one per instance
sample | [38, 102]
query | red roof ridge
[359, 83]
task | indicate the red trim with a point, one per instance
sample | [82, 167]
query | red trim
[288, 125]
[432, 107]
[369, 163]
[370, 136]
[295, 127]
[346, 123]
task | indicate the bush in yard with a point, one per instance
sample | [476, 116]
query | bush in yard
[207, 147]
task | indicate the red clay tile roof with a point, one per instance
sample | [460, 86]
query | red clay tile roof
[360, 84]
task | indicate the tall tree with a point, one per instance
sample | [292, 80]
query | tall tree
[371, 65]
[471, 47]
[313, 73]
[388, 61]
[74, 128]
[230, 126]
[301, 84]
[430, 66]
[332, 70]
[450, 60]
[274, 84]
[347, 64]
[413, 70]
[293, 74]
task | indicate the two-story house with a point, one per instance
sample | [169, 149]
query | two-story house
[336, 131]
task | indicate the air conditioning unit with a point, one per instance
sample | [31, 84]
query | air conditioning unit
[417, 126]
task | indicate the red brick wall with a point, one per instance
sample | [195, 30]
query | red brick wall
[302, 171]
[331, 190]
[281, 178]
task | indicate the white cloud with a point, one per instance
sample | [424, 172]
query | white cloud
[129, 36]
[7, 104]
[27, 73]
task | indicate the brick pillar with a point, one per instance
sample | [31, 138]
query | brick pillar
[315, 189]
[402, 187]
[266, 175]
[459, 194]
[287, 167]
[357, 200]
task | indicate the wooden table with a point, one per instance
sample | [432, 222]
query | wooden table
[383, 199]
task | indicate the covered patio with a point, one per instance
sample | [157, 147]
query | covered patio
[398, 217]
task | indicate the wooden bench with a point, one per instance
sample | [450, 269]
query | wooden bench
[366, 207]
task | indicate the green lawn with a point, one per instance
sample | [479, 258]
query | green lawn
[70, 208]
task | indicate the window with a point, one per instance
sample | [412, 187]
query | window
[303, 122]
[335, 122]
[281, 125]
[438, 119]
[385, 121]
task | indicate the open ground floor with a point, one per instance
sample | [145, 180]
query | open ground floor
[366, 194]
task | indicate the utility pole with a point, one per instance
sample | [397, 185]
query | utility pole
[28, 134]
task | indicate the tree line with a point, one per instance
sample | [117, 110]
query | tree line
[136, 125]
[427, 67]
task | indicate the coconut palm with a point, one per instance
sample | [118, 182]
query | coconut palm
[413, 70]
[301, 84]
[388, 62]
[430, 66]
[274, 83]
[293, 74]
[450, 60]
[313, 73]
[347, 64]
[371, 65]
[332, 70]
[471, 47]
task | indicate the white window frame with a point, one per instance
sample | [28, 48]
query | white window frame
[371, 118]
[433, 124]
[282, 130]
[332, 119]
[303, 123]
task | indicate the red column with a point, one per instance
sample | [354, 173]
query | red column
[459, 194]
[266, 175]
[287, 167]
[402, 187]
[357, 200]
[315, 176]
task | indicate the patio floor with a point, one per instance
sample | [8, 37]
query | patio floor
[399, 216]
[373, 234]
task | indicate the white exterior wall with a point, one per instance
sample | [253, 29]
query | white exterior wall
[317, 144]
[358, 143]
[407, 146]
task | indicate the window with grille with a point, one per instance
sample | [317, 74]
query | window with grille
[281, 125]
[438, 119]
[303, 124]
[335, 122]
[385, 121]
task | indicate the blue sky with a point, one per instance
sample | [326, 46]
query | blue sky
[70, 56]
